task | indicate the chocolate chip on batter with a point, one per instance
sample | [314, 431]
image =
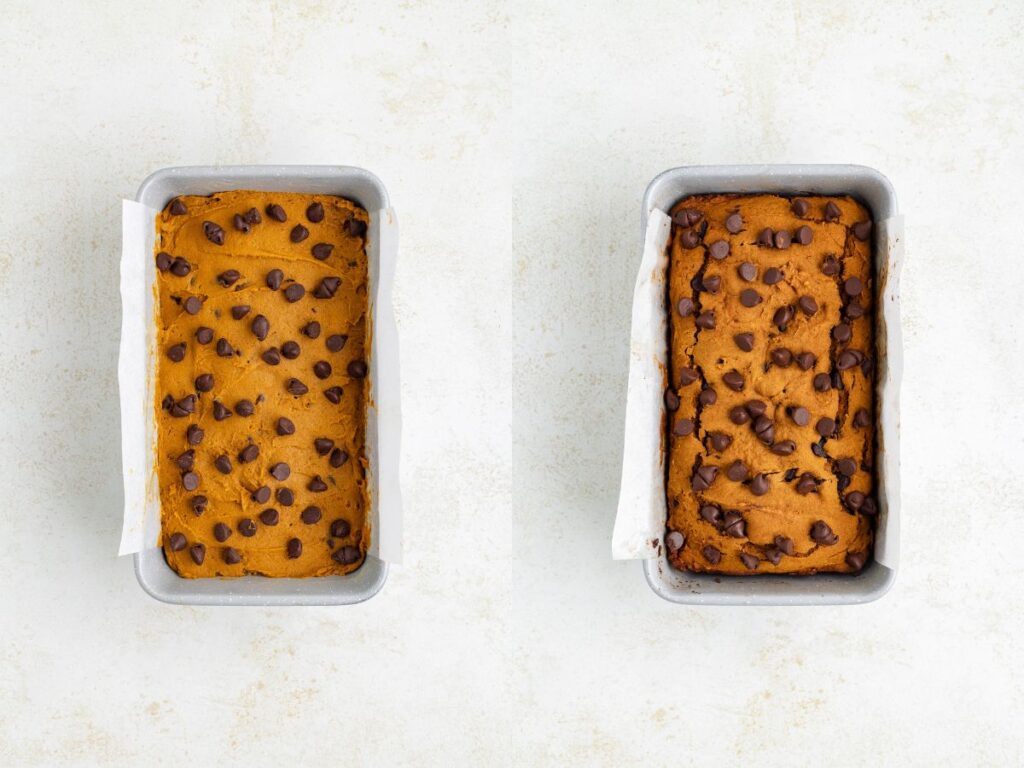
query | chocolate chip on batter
[276, 212]
[759, 485]
[285, 426]
[703, 477]
[190, 481]
[270, 516]
[766, 238]
[290, 349]
[782, 357]
[340, 528]
[806, 360]
[831, 211]
[842, 333]
[807, 305]
[749, 561]
[357, 369]
[186, 460]
[228, 277]
[180, 267]
[750, 298]
[744, 341]
[825, 427]
[846, 360]
[346, 555]
[807, 483]
[321, 369]
[336, 342]
[756, 408]
[214, 233]
[184, 407]
[248, 454]
[818, 450]
[782, 239]
[261, 495]
[294, 549]
[687, 217]
[803, 235]
[821, 533]
[232, 556]
[334, 394]
[737, 471]
[800, 415]
[718, 249]
[856, 560]
[707, 396]
[240, 223]
[862, 230]
[687, 376]
[853, 311]
[719, 441]
[194, 434]
[315, 213]
[193, 304]
[711, 283]
[224, 348]
[764, 428]
[862, 418]
[322, 251]
[311, 515]
[734, 380]
[830, 266]
[316, 485]
[739, 415]
[783, 316]
[783, 448]
[274, 279]
[271, 356]
[177, 542]
[223, 463]
[734, 525]
[240, 310]
[772, 276]
[689, 239]
[671, 401]
[790, 474]
[853, 286]
[245, 407]
[747, 271]
[247, 527]
[177, 208]
[683, 427]
[868, 507]
[338, 458]
[221, 532]
[294, 292]
[198, 553]
[354, 227]
[298, 233]
[327, 287]
[734, 223]
[176, 352]
[323, 445]
[822, 382]
[252, 216]
[280, 471]
[800, 207]
[685, 307]
[204, 335]
[285, 497]
[163, 261]
[711, 514]
[712, 554]
[846, 467]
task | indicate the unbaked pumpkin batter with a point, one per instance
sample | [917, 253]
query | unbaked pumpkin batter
[260, 385]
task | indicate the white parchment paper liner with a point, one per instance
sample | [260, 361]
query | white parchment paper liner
[642, 512]
[136, 369]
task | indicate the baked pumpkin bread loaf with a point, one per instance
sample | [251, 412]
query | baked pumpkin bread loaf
[260, 384]
[770, 405]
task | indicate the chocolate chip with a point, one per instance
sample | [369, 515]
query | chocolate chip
[260, 327]
[194, 434]
[685, 307]
[862, 418]
[783, 316]
[846, 467]
[184, 407]
[853, 286]
[357, 369]
[240, 223]
[683, 427]
[800, 207]
[750, 298]
[327, 287]
[338, 458]
[193, 304]
[322, 251]
[298, 233]
[756, 408]
[759, 485]
[749, 561]
[818, 450]
[807, 483]
[177, 208]
[687, 376]
[311, 515]
[245, 407]
[176, 353]
[830, 266]
[248, 454]
[285, 497]
[291, 349]
[671, 401]
[163, 261]
[274, 279]
[276, 212]
[252, 216]
[261, 495]
[782, 239]
[214, 233]
[822, 382]
[223, 464]
[294, 549]
[294, 292]
[190, 481]
[711, 554]
[177, 542]
[862, 230]
[772, 276]
[346, 555]
[747, 271]
[321, 369]
[711, 514]
[707, 396]
[764, 428]
[734, 525]
[221, 532]
[180, 267]
[785, 545]
[270, 516]
[782, 357]
[783, 448]
[340, 529]
[739, 415]
[773, 555]
[718, 249]
[807, 305]
[856, 560]
[842, 333]
[806, 360]
[198, 553]
[711, 283]
[271, 356]
[285, 426]
[232, 556]
[868, 507]
[831, 211]
[204, 335]
[821, 533]
[790, 474]
[687, 217]
[186, 460]
[689, 239]
[354, 227]
[719, 441]
[846, 360]
[737, 471]
[224, 349]
[744, 341]
[734, 380]
[766, 238]
[706, 320]
[316, 485]
[334, 394]
[315, 213]
[800, 416]
[228, 277]
[240, 310]
[853, 311]
[825, 427]
[280, 471]
[703, 477]
[247, 527]
[323, 445]
[803, 235]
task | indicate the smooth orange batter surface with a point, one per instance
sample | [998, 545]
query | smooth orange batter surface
[727, 350]
[323, 527]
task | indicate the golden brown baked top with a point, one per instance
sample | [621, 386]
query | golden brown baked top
[771, 400]
[261, 334]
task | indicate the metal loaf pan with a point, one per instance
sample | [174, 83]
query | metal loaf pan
[362, 187]
[873, 189]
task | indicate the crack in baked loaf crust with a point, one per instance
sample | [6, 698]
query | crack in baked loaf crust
[770, 405]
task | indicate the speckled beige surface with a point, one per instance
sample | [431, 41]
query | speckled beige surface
[515, 143]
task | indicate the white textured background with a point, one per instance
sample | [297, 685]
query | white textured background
[516, 143]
